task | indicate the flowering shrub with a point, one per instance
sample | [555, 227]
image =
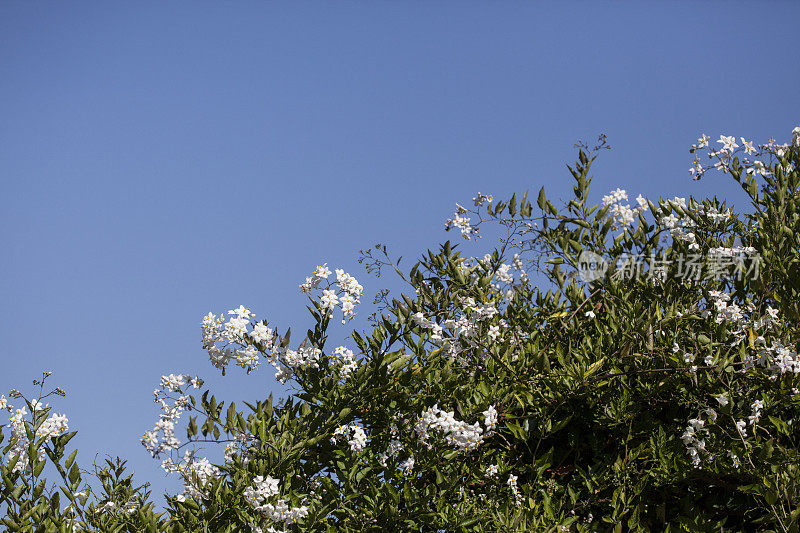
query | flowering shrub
[507, 392]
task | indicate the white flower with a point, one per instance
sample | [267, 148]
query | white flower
[346, 357]
[512, 485]
[173, 382]
[462, 223]
[359, 439]
[329, 299]
[748, 146]
[261, 489]
[322, 271]
[758, 167]
[621, 214]
[349, 284]
[261, 333]
[241, 312]
[490, 418]
[306, 356]
[723, 400]
[408, 466]
[466, 437]
[696, 423]
[734, 459]
[348, 304]
[757, 406]
[481, 198]
[728, 142]
[615, 196]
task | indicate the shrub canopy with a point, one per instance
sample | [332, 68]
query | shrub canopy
[620, 366]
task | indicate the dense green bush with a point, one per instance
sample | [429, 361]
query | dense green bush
[606, 367]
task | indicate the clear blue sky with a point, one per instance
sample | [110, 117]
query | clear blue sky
[160, 160]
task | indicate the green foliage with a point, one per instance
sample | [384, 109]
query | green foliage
[594, 384]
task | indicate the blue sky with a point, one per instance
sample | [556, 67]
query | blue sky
[162, 160]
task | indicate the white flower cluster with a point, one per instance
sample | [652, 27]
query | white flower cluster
[394, 449]
[436, 330]
[354, 434]
[468, 325]
[258, 529]
[725, 155]
[261, 489]
[312, 282]
[512, 485]
[466, 437]
[195, 471]
[688, 357]
[695, 445]
[622, 215]
[175, 382]
[281, 511]
[768, 321]
[756, 407]
[162, 437]
[696, 430]
[490, 419]
[303, 358]
[741, 426]
[733, 252]
[347, 293]
[482, 198]
[518, 266]
[461, 222]
[501, 276]
[408, 466]
[240, 445]
[674, 216]
[727, 312]
[713, 214]
[128, 508]
[55, 425]
[233, 340]
[679, 226]
[734, 459]
[777, 358]
[345, 357]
